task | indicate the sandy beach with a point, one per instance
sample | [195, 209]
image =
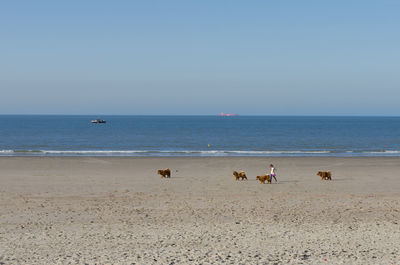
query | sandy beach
[96, 210]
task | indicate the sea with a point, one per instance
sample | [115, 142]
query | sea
[215, 136]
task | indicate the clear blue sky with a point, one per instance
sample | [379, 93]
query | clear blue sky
[200, 57]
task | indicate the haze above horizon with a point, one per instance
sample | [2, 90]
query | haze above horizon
[200, 58]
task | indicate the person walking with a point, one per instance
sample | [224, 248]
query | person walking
[273, 172]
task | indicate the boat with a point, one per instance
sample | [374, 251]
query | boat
[227, 114]
[98, 121]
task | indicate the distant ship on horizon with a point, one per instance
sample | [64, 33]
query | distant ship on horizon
[98, 121]
[227, 114]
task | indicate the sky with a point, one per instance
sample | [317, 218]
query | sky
[200, 57]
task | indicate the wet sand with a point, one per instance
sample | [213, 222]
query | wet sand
[70, 210]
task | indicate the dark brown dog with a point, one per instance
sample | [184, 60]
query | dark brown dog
[325, 175]
[264, 178]
[165, 173]
[322, 174]
[328, 175]
[239, 175]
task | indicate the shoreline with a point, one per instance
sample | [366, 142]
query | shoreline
[202, 156]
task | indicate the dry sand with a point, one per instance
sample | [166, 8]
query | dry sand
[91, 210]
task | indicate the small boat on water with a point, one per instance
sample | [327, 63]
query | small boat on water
[98, 121]
[227, 114]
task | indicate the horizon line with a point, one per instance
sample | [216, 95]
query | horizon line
[217, 115]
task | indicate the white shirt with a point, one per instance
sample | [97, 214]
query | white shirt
[272, 171]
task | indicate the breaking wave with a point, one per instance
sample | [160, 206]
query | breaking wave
[195, 153]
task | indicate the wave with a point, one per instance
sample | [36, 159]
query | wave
[196, 153]
[160, 152]
[6, 151]
[384, 151]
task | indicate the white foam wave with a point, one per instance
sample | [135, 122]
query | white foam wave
[279, 152]
[181, 152]
[383, 152]
[91, 152]
[6, 151]
[159, 152]
[193, 152]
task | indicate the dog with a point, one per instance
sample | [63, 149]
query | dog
[165, 173]
[264, 178]
[236, 175]
[325, 175]
[239, 175]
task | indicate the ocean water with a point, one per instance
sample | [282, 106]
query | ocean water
[36, 135]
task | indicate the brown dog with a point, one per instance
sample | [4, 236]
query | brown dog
[325, 175]
[165, 173]
[239, 175]
[264, 178]
[236, 175]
